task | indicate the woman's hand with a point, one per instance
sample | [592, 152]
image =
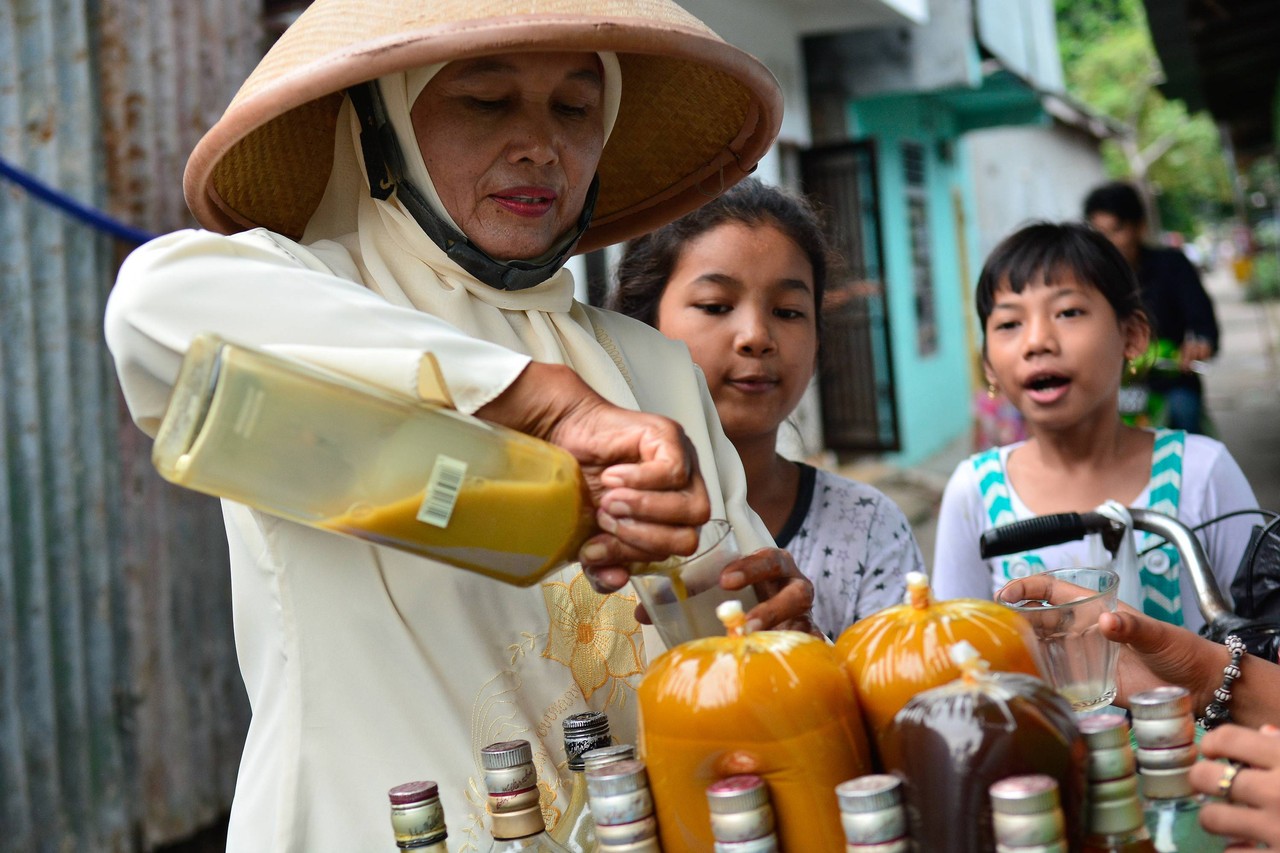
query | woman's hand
[786, 595]
[1250, 810]
[1152, 653]
[641, 469]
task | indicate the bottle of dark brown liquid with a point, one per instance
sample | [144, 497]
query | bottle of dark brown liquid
[1116, 824]
[950, 743]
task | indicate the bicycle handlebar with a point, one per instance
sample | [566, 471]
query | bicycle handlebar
[1045, 530]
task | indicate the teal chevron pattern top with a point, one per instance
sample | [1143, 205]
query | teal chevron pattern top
[1159, 569]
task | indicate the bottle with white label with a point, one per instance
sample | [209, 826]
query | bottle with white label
[324, 449]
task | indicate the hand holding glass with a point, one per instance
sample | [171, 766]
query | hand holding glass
[680, 594]
[1063, 606]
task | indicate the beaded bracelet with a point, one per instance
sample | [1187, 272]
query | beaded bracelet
[1217, 712]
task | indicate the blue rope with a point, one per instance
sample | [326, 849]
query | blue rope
[67, 204]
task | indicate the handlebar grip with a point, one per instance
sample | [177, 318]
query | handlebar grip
[1038, 532]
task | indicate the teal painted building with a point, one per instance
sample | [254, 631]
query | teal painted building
[903, 99]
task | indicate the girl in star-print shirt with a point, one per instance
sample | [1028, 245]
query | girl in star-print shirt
[740, 281]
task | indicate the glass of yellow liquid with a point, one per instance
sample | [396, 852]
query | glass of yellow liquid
[680, 594]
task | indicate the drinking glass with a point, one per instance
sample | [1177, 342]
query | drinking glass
[680, 594]
[1079, 662]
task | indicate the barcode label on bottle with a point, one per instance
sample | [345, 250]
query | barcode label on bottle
[442, 491]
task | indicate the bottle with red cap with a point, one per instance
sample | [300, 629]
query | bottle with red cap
[417, 817]
[514, 802]
[742, 819]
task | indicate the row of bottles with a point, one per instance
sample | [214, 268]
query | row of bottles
[1136, 803]
[726, 722]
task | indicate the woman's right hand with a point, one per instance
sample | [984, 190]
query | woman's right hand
[641, 469]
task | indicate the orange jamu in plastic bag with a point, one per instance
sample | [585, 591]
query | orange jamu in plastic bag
[772, 703]
[892, 655]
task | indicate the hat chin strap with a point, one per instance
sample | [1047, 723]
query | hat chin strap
[384, 163]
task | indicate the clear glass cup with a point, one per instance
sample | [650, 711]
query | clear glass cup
[1079, 662]
[680, 594]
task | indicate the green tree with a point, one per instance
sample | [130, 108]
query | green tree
[1177, 159]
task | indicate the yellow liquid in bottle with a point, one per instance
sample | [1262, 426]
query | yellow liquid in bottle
[512, 531]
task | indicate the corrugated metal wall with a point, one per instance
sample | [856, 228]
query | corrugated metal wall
[121, 709]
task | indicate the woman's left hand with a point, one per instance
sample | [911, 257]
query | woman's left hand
[786, 595]
[1250, 810]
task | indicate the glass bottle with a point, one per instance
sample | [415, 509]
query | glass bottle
[873, 816]
[1116, 823]
[514, 801]
[623, 807]
[1164, 728]
[1026, 816]
[583, 732]
[417, 817]
[323, 449]
[741, 815]
[607, 755]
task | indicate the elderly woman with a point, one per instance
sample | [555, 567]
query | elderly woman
[403, 178]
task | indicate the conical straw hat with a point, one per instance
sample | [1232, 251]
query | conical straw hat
[696, 115]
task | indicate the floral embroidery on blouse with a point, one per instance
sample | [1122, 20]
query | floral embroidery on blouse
[596, 636]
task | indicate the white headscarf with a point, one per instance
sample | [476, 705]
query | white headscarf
[401, 263]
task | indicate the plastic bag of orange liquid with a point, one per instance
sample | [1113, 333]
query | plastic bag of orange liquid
[892, 655]
[949, 745]
[771, 703]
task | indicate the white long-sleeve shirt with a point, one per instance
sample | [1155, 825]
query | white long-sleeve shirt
[368, 667]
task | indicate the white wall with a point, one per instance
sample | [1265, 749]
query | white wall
[1025, 173]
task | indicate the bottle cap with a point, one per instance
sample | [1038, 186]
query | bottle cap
[520, 824]
[583, 732]
[1168, 758]
[417, 818]
[617, 777]
[1169, 784]
[1117, 817]
[607, 755]
[1160, 703]
[737, 794]
[1104, 731]
[413, 793]
[1113, 790]
[1019, 795]
[870, 793]
[507, 753]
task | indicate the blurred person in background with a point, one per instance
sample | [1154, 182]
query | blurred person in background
[1180, 310]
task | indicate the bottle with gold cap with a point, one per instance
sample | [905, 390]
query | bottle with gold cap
[1026, 816]
[583, 732]
[622, 806]
[1164, 728]
[514, 801]
[417, 817]
[1115, 822]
